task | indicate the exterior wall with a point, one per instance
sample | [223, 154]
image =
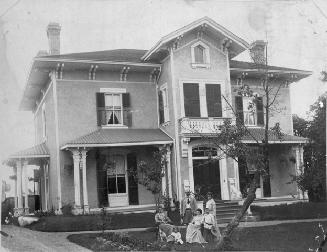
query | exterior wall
[50, 142]
[281, 111]
[280, 169]
[77, 106]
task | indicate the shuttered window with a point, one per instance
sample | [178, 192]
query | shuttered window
[260, 112]
[249, 111]
[163, 104]
[113, 109]
[191, 99]
[213, 97]
[199, 54]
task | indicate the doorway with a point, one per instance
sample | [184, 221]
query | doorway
[206, 171]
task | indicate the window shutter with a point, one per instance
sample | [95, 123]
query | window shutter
[213, 94]
[126, 100]
[100, 108]
[239, 109]
[191, 100]
[127, 120]
[260, 113]
[161, 108]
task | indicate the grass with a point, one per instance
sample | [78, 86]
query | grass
[93, 222]
[295, 237]
[301, 210]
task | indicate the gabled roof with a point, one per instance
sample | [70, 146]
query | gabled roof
[37, 151]
[120, 137]
[259, 135]
[240, 46]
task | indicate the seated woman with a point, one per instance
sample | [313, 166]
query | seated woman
[193, 231]
[162, 220]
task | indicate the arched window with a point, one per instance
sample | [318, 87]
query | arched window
[199, 54]
[203, 151]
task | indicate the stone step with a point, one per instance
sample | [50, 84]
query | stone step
[228, 210]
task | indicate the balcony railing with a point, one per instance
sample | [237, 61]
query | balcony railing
[201, 125]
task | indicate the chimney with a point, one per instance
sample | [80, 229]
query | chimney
[53, 32]
[258, 52]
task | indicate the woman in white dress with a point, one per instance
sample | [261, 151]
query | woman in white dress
[211, 205]
[193, 231]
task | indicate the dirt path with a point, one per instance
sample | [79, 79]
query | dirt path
[23, 239]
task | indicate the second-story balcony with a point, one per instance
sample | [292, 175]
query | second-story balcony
[201, 125]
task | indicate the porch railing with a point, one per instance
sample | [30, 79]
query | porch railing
[202, 125]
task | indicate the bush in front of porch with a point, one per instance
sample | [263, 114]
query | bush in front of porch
[300, 210]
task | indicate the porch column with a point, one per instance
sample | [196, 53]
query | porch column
[77, 189]
[170, 189]
[15, 174]
[19, 209]
[25, 184]
[298, 163]
[85, 196]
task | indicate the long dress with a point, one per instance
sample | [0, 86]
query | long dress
[162, 220]
[211, 205]
[193, 231]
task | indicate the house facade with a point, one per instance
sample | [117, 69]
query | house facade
[98, 114]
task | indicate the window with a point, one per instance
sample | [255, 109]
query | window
[44, 122]
[202, 99]
[200, 55]
[116, 174]
[114, 111]
[163, 104]
[113, 108]
[249, 110]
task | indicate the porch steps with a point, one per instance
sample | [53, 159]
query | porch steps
[225, 210]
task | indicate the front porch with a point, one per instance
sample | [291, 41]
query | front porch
[100, 168]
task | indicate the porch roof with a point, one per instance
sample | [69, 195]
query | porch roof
[37, 151]
[259, 134]
[120, 137]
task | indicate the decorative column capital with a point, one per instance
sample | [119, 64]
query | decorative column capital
[185, 142]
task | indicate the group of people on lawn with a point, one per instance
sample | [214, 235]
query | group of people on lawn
[201, 228]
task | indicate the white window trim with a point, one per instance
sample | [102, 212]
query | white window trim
[44, 126]
[246, 111]
[165, 100]
[202, 95]
[113, 90]
[207, 56]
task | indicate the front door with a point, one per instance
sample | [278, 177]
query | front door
[117, 182]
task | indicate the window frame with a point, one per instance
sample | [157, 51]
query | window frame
[113, 110]
[116, 176]
[246, 112]
[202, 95]
[206, 56]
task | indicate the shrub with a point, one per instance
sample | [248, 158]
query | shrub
[67, 209]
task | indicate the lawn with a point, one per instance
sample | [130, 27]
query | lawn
[284, 237]
[301, 210]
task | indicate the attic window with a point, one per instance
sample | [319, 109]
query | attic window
[200, 55]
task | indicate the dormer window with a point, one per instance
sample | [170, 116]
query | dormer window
[200, 55]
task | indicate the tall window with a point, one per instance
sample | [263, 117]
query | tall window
[202, 99]
[199, 54]
[114, 112]
[249, 110]
[116, 174]
[163, 104]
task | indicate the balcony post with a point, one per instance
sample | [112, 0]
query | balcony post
[85, 195]
[26, 208]
[77, 190]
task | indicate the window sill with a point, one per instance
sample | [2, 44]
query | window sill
[120, 126]
[200, 65]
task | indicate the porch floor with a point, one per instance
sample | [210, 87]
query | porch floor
[127, 209]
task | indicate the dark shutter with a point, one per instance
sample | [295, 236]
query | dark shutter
[260, 113]
[127, 114]
[191, 100]
[132, 179]
[239, 109]
[161, 108]
[213, 95]
[100, 103]
[126, 100]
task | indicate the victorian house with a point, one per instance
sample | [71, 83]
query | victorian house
[97, 114]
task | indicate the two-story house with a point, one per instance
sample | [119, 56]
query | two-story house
[97, 114]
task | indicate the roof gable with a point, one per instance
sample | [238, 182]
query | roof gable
[238, 44]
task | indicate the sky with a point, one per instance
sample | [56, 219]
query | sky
[295, 31]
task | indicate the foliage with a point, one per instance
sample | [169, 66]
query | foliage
[45, 213]
[67, 209]
[105, 220]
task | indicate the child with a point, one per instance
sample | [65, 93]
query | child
[209, 224]
[175, 236]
